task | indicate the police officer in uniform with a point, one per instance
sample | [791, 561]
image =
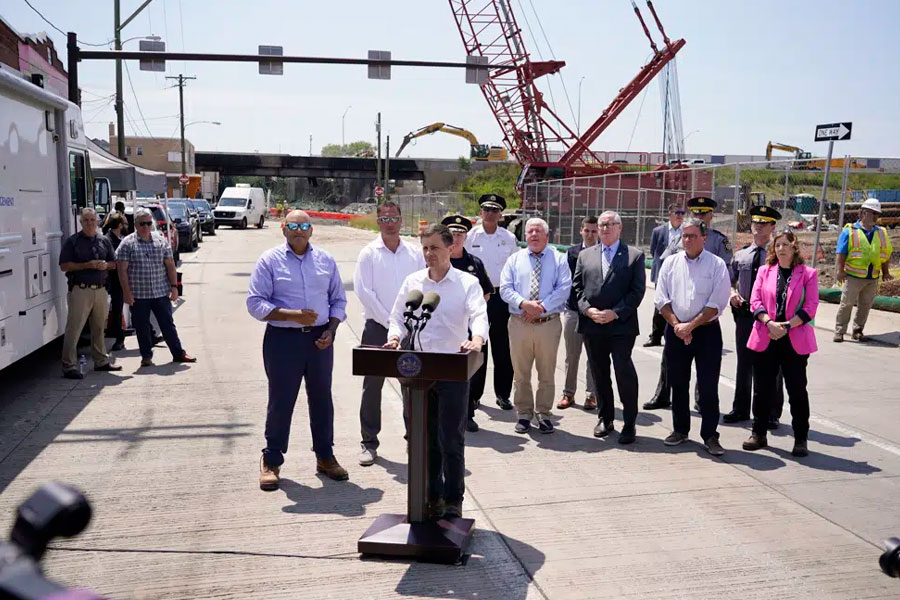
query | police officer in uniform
[701, 207]
[743, 271]
[460, 259]
[493, 245]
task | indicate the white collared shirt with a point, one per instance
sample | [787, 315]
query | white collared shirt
[462, 308]
[690, 285]
[674, 234]
[380, 273]
[492, 248]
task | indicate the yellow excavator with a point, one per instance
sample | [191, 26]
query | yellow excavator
[809, 162]
[477, 152]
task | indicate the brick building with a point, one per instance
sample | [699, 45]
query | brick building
[33, 54]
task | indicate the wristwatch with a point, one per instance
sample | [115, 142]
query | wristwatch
[173, 285]
[787, 325]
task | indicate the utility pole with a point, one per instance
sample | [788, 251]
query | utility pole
[310, 144]
[378, 153]
[181, 79]
[387, 164]
[120, 107]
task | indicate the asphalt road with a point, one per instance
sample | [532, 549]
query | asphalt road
[169, 457]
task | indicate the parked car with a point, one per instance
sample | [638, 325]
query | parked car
[188, 226]
[242, 205]
[162, 223]
[207, 219]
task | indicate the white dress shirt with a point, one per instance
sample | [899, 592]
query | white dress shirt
[690, 285]
[554, 287]
[462, 308]
[380, 273]
[492, 248]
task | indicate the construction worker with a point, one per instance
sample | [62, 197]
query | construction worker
[863, 256]
[743, 270]
[703, 208]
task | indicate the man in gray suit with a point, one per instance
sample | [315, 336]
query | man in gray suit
[664, 241]
[610, 282]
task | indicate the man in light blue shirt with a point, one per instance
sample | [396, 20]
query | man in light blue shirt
[535, 283]
[297, 290]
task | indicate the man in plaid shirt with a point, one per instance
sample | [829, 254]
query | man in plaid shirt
[150, 284]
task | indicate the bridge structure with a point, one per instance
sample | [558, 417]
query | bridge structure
[286, 165]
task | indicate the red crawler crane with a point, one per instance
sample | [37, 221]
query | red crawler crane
[488, 28]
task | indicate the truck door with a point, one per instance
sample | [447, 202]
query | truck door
[77, 185]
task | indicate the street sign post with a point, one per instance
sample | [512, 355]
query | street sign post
[184, 179]
[828, 133]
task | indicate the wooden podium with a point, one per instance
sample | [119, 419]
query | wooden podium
[411, 535]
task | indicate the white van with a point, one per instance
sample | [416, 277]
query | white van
[242, 205]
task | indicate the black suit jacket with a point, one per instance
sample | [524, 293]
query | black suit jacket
[572, 256]
[622, 290]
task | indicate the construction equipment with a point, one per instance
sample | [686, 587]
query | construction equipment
[808, 162]
[488, 28]
[477, 151]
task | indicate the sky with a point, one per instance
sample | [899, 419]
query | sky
[751, 71]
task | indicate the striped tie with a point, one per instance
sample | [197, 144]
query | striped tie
[535, 277]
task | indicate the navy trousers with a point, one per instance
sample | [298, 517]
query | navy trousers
[706, 350]
[446, 419]
[140, 318]
[290, 356]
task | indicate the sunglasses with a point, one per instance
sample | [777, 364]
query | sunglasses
[490, 209]
[680, 213]
[300, 226]
[788, 233]
[145, 224]
[388, 219]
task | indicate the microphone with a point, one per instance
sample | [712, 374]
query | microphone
[413, 299]
[429, 304]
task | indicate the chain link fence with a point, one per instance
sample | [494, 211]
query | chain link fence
[419, 210]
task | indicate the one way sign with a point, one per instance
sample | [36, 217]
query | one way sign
[833, 132]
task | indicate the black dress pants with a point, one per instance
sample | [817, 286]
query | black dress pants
[599, 350]
[705, 350]
[780, 355]
[498, 318]
[743, 379]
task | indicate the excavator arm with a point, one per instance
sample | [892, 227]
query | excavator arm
[779, 146]
[434, 128]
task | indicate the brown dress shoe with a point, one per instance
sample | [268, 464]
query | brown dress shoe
[268, 476]
[590, 403]
[332, 469]
[755, 442]
[565, 402]
[185, 358]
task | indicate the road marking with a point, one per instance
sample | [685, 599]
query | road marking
[817, 419]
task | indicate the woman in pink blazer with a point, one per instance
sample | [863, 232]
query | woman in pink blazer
[784, 302]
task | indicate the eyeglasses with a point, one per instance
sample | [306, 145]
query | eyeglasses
[680, 213]
[300, 226]
[145, 224]
[388, 219]
[606, 225]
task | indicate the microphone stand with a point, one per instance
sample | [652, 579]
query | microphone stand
[410, 329]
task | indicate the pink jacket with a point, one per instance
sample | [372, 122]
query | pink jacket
[803, 278]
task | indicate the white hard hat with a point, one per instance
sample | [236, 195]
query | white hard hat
[872, 204]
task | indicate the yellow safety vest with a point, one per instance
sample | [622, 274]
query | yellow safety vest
[861, 253]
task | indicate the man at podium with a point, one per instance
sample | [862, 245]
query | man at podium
[462, 308]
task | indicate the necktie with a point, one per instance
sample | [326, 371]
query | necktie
[607, 260]
[757, 260]
[535, 277]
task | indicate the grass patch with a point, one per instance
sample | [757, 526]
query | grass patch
[368, 221]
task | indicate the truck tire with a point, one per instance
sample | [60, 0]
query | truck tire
[262, 221]
[243, 223]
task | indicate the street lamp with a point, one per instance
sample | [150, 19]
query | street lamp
[343, 145]
[578, 124]
[689, 135]
[196, 122]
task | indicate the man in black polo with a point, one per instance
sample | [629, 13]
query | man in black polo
[86, 258]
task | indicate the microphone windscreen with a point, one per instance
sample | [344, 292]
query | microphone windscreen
[431, 301]
[414, 299]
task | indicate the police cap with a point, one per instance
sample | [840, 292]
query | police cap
[764, 214]
[702, 204]
[492, 201]
[457, 223]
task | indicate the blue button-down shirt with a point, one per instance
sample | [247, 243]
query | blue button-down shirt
[284, 279]
[556, 280]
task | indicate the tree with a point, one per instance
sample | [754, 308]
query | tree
[495, 179]
[351, 149]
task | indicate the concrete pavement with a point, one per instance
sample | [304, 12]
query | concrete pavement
[169, 457]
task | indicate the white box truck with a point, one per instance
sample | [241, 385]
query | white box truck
[242, 205]
[45, 179]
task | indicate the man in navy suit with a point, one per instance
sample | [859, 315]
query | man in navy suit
[664, 241]
[610, 283]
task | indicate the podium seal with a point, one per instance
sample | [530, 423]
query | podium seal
[409, 365]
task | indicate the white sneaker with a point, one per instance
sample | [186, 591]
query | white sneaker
[367, 457]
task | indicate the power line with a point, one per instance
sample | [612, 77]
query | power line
[50, 23]
[553, 56]
[136, 101]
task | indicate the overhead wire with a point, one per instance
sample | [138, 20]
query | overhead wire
[553, 56]
[537, 47]
[136, 101]
[51, 24]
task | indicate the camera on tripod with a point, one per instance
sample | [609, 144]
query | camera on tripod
[890, 559]
[54, 510]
